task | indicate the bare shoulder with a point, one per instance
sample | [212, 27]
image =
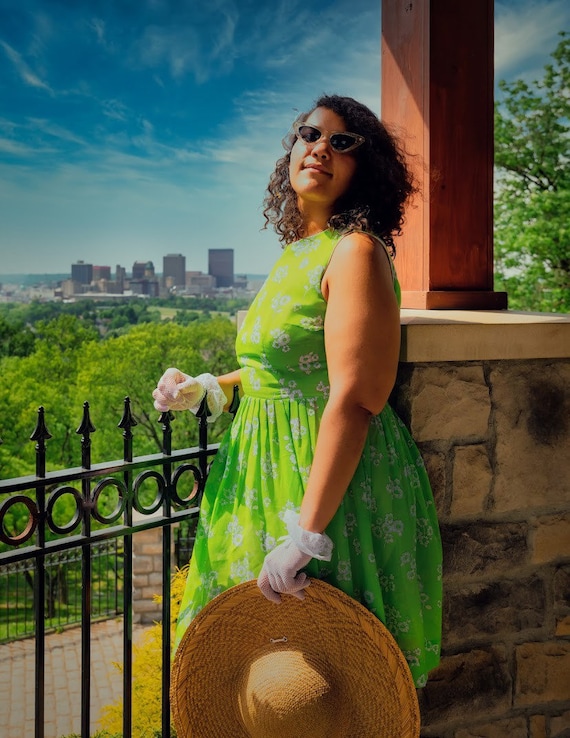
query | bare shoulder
[359, 256]
[360, 242]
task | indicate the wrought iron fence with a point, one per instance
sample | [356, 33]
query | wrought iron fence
[103, 498]
[62, 589]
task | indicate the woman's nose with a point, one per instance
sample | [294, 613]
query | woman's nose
[321, 148]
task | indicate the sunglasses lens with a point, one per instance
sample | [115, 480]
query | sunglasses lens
[340, 142]
[309, 134]
[343, 141]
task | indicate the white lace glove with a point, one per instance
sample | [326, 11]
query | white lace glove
[280, 573]
[178, 391]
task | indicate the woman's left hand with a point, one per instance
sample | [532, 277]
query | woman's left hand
[280, 573]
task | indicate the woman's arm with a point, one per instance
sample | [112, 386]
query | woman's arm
[227, 382]
[362, 343]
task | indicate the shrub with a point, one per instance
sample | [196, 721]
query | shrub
[147, 685]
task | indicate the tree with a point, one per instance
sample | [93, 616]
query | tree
[131, 365]
[72, 365]
[46, 377]
[532, 200]
[16, 339]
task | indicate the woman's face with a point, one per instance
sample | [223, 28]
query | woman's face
[318, 174]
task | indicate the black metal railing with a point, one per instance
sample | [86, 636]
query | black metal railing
[63, 589]
[103, 498]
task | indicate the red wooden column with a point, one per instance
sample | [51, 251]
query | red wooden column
[437, 92]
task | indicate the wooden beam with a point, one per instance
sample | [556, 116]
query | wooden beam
[437, 94]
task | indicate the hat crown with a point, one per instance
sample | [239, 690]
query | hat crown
[283, 695]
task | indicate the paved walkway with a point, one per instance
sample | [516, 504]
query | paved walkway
[63, 679]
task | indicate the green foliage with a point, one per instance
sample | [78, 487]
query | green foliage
[35, 311]
[532, 202]
[114, 320]
[71, 365]
[212, 304]
[16, 339]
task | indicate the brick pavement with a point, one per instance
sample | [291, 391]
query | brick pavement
[63, 679]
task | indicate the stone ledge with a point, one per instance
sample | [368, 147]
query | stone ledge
[469, 335]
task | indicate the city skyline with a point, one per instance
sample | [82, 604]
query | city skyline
[128, 134]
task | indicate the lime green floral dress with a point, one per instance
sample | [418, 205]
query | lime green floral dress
[387, 549]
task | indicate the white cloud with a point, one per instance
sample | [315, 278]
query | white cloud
[26, 74]
[524, 32]
[201, 45]
[53, 130]
[16, 148]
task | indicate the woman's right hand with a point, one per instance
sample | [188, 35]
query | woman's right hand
[177, 391]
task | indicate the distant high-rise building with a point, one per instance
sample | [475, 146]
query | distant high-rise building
[174, 270]
[221, 266]
[82, 273]
[144, 286]
[142, 269]
[120, 276]
[101, 272]
[198, 283]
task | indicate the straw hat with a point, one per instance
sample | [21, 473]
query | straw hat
[323, 667]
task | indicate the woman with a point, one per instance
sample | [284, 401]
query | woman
[315, 453]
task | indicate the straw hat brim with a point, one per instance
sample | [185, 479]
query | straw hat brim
[333, 633]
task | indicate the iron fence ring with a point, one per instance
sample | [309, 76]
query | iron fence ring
[53, 498]
[31, 523]
[119, 507]
[197, 488]
[158, 500]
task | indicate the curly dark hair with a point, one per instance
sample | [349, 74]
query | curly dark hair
[378, 192]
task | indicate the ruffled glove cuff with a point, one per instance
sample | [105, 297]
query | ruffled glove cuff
[215, 394]
[317, 545]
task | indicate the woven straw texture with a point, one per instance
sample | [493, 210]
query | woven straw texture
[324, 667]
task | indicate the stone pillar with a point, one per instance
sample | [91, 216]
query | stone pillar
[147, 572]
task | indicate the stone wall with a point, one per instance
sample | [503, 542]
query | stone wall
[495, 436]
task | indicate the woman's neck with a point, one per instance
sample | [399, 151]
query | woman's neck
[314, 219]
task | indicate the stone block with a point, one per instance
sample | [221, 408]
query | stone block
[500, 608]
[435, 463]
[514, 728]
[155, 579]
[148, 593]
[551, 539]
[537, 726]
[562, 626]
[147, 605]
[449, 401]
[476, 682]
[143, 564]
[543, 673]
[149, 548]
[532, 425]
[479, 549]
[561, 583]
[560, 725]
[472, 477]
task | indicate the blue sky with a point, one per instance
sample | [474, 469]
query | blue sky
[130, 129]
